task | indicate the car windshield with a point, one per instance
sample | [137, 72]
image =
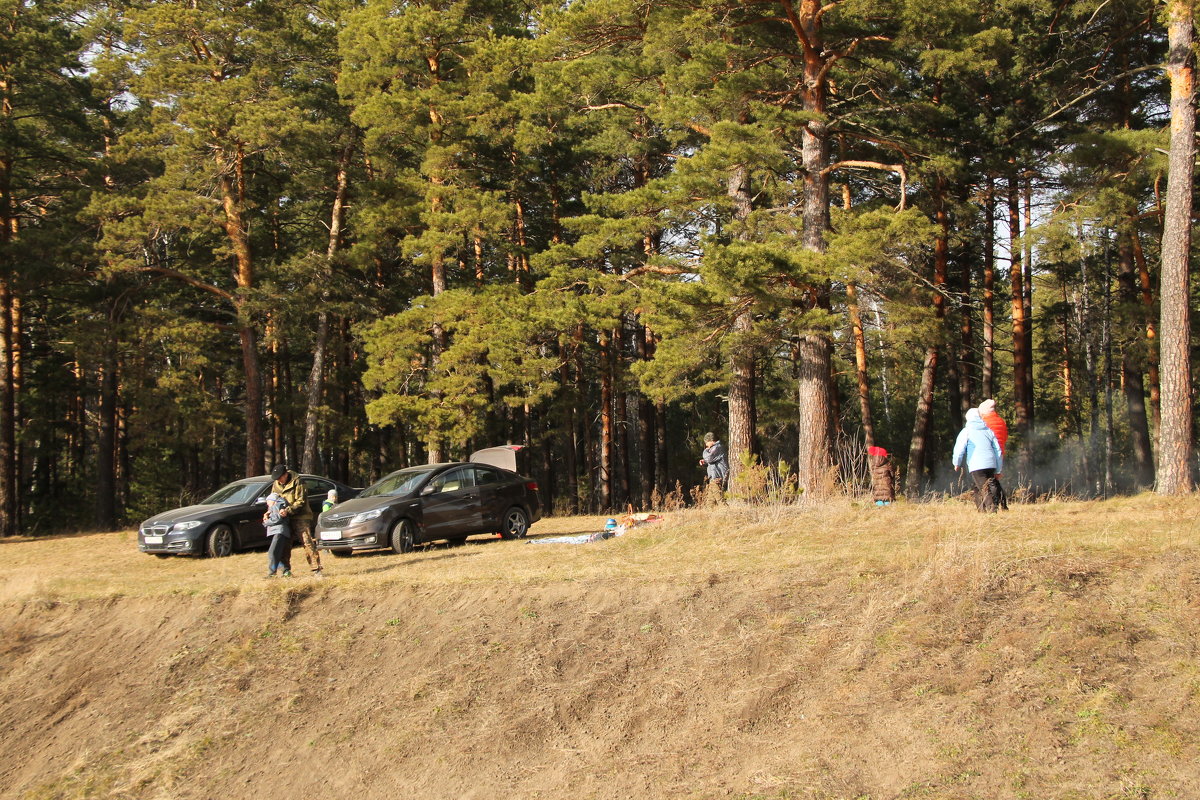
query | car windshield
[398, 483]
[235, 493]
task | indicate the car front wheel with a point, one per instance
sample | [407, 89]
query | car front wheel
[219, 542]
[403, 536]
[516, 524]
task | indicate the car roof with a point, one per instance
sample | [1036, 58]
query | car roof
[301, 474]
[466, 464]
[444, 465]
[267, 479]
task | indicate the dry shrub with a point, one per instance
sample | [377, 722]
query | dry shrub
[850, 453]
[673, 500]
[760, 483]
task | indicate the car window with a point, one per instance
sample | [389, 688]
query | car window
[315, 490]
[236, 493]
[397, 483]
[316, 486]
[486, 476]
[454, 480]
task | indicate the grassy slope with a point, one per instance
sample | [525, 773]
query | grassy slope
[834, 652]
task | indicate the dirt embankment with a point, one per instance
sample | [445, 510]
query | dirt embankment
[1050, 677]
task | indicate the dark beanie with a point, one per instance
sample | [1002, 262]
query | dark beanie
[278, 471]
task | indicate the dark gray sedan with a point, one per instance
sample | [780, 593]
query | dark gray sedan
[431, 502]
[229, 519]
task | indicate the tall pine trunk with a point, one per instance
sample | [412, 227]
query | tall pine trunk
[8, 431]
[1021, 366]
[741, 359]
[10, 335]
[621, 432]
[645, 425]
[1147, 287]
[918, 445]
[1068, 373]
[569, 437]
[966, 341]
[607, 446]
[106, 444]
[860, 363]
[1131, 371]
[437, 259]
[1027, 298]
[1175, 433]
[989, 291]
[231, 183]
[316, 376]
[814, 349]
[858, 335]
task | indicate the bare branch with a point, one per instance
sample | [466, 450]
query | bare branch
[827, 7]
[652, 269]
[1084, 96]
[794, 20]
[897, 168]
[614, 104]
[188, 279]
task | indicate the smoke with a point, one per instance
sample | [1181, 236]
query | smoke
[1051, 465]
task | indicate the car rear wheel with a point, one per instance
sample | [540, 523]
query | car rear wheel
[341, 553]
[219, 542]
[403, 536]
[516, 524]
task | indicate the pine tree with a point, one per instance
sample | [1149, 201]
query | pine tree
[1175, 435]
[44, 137]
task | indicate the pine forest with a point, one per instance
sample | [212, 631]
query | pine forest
[356, 235]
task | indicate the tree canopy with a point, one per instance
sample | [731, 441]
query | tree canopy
[359, 234]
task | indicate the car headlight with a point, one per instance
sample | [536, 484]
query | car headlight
[366, 515]
[185, 526]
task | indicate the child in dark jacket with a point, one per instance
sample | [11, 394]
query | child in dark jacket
[883, 476]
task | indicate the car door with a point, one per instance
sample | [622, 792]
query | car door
[247, 521]
[316, 489]
[450, 504]
[493, 500]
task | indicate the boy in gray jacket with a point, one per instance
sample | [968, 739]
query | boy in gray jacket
[714, 459]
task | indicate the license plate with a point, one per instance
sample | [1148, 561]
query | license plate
[330, 536]
[152, 539]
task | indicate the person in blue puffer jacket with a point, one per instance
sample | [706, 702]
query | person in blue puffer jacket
[979, 449]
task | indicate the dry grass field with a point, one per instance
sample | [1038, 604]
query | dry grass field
[823, 652]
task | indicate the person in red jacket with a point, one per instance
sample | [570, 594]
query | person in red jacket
[883, 476]
[987, 410]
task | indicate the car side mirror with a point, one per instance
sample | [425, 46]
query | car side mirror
[429, 488]
[262, 501]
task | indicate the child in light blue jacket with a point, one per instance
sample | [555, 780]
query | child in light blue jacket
[978, 448]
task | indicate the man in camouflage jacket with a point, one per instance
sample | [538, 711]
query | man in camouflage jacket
[288, 485]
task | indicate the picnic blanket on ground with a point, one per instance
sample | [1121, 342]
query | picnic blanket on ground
[582, 538]
[628, 521]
